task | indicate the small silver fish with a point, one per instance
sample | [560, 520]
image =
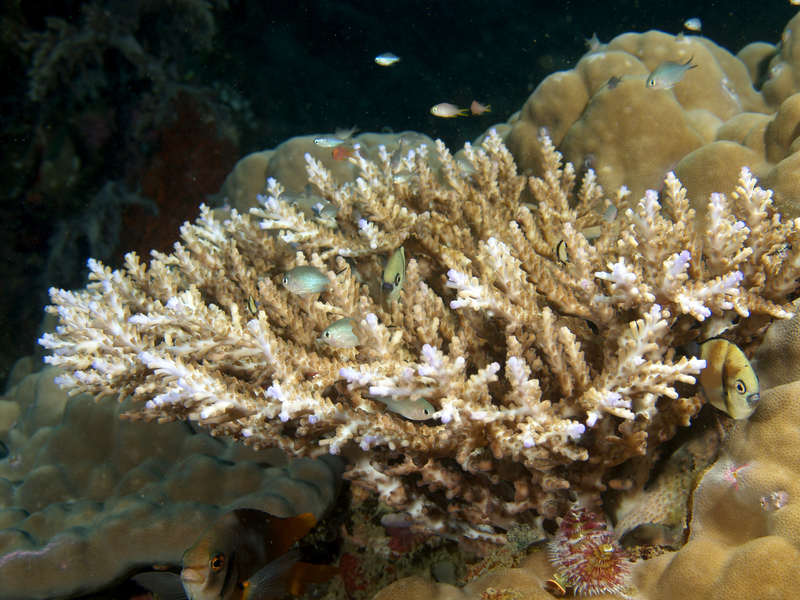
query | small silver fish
[387, 59]
[346, 134]
[693, 24]
[394, 276]
[325, 214]
[397, 155]
[667, 74]
[728, 381]
[305, 281]
[329, 141]
[465, 167]
[413, 409]
[339, 334]
[403, 177]
[448, 111]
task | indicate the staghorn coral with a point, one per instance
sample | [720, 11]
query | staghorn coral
[546, 376]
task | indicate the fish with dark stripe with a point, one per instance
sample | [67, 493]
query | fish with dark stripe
[244, 555]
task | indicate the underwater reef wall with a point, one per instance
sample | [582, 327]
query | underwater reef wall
[513, 341]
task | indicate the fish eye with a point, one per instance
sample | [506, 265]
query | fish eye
[741, 388]
[216, 563]
[425, 411]
[285, 279]
[327, 334]
[397, 279]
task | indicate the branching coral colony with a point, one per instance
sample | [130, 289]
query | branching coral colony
[545, 374]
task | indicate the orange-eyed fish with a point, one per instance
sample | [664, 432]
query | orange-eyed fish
[728, 381]
[305, 281]
[339, 334]
[667, 74]
[243, 555]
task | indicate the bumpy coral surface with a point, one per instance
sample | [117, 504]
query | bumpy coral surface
[543, 336]
[87, 499]
[727, 113]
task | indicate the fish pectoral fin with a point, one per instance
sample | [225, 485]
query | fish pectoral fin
[165, 585]
[716, 398]
[273, 580]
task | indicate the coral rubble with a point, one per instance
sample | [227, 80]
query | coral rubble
[543, 335]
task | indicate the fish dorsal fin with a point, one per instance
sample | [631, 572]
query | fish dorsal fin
[288, 531]
[273, 580]
[167, 586]
[280, 533]
[304, 573]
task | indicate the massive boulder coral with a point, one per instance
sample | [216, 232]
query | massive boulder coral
[722, 116]
[545, 375]
[87, 499]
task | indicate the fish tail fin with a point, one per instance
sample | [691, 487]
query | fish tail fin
[273, 580]
[488, 108]
[304, 573]
[463, 112]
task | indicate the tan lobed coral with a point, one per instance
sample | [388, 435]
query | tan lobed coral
[87, 499]
[705, 128]
[545, 375]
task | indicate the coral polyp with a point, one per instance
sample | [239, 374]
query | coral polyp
[587, 556]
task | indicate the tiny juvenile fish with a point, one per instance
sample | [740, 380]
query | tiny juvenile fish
[476, 108]
[694, 24]
[339, 334]
[417, 409]
[242, 555]
[394, 275]
[325, 214]
[341, 152]
[667, 74]
[340, 137]
[329, 141]
[397, 155]
[562, 252]
[387, 59]
[252, 305]
[593, 44]
[728, 381]
[613, 82]
[447, 110]
[465, 167]
[305, 281]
